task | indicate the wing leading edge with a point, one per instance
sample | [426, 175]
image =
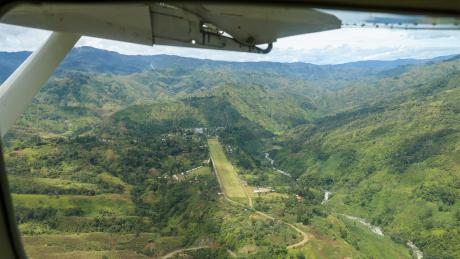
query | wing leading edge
[215, 26]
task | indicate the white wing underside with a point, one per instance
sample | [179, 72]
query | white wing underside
[226, 27]
[215, 26]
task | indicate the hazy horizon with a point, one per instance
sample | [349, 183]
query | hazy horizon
[330, 47]
[248, 61]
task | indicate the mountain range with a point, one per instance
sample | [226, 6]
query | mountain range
[381, 138]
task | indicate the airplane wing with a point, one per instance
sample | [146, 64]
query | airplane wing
[236, 27]
[215, 26]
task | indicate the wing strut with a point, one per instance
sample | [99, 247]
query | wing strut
[18, 91]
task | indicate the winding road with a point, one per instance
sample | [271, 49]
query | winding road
[173, 253]
[305, 236]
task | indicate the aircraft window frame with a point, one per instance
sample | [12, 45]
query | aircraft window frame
[10, 235]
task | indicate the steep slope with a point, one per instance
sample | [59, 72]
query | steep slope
[394, 162]
[272, 110]
[213, 113]
[394, 85]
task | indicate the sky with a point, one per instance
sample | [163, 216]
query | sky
[330, 47]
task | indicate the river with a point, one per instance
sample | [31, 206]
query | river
[267, 156]
[415, 250]
[375, 229]
[326, 196]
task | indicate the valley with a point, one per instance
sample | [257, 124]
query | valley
[223, 170]
[168, 157]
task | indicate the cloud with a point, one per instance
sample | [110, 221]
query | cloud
[330, 47]
[15, 38]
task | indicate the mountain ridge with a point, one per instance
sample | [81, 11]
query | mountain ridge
[104, 61]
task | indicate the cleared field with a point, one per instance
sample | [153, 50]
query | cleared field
[116, 204]
[205, 170]
[112, 254]
[28, 184]
[90, 245]
[110, 181]
[226, 174]
[323, 249]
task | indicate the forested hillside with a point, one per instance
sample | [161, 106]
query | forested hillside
[358, 160]
[394, 160]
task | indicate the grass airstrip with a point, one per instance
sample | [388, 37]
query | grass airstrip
[226, 174]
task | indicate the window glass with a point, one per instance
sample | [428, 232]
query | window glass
[340, 144]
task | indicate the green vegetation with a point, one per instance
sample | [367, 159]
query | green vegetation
[396, 165]
[86, 245]
[112, 159]
[225, 172]
[113, 204]
[38, 185]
